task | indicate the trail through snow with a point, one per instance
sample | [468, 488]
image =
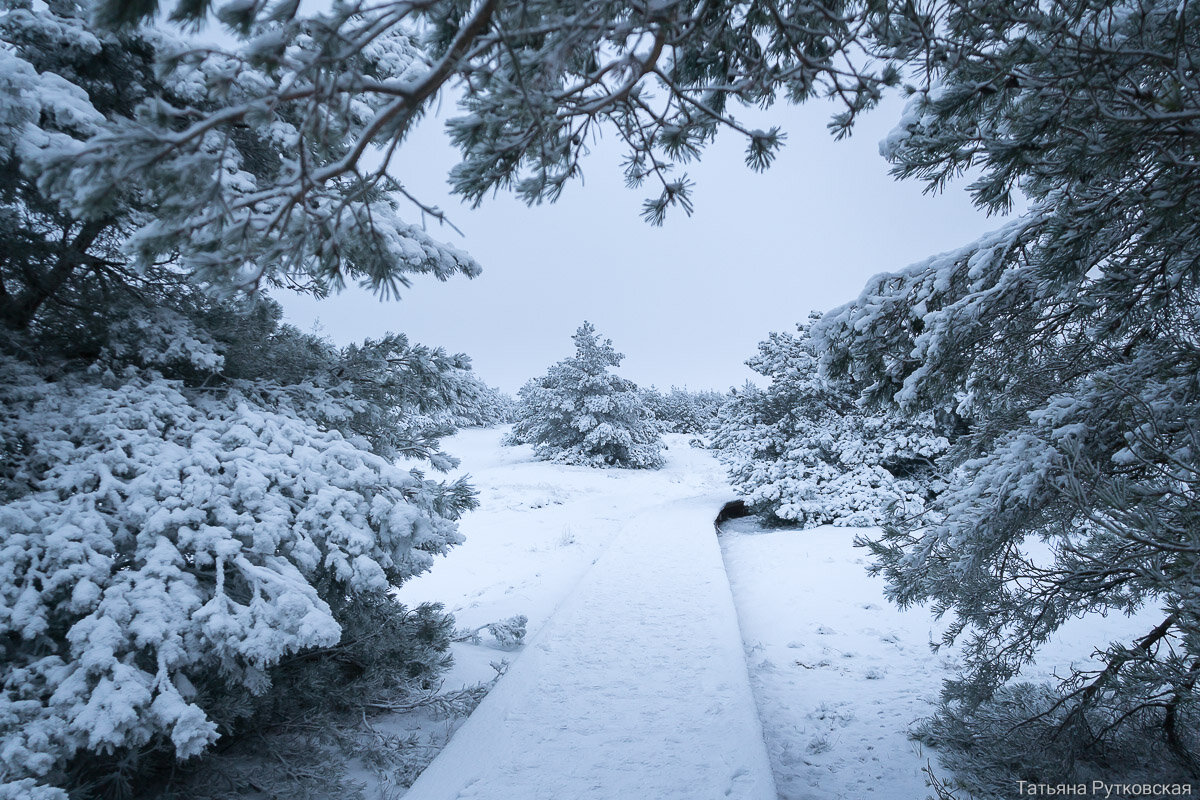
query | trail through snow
[635, 684]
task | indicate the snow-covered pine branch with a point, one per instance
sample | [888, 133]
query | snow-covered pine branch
[268, 160]
[139, 142]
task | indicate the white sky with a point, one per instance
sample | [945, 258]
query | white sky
[687, 302]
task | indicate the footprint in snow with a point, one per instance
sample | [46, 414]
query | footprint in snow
[839, 713]
[818, 745]
[825, 631]
[739, 775]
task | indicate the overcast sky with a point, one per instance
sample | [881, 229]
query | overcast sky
[687, 302]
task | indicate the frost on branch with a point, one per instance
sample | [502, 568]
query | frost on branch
[211, 159]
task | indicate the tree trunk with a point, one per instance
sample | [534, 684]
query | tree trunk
[18, 311]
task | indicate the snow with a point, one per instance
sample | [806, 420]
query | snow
[632, 681]
[840, 674]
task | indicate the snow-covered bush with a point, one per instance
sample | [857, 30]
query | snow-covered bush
[192, 494]
[580, 413]
[158, 540]
[197, 502]
[227, 479]
[300, 740]
[405, 395]
[802, 451]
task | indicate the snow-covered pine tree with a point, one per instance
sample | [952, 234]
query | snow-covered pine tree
[198, 507]
[802, 451]
[579, 412]
[166, 545]
[477, 405]
[1069, 344]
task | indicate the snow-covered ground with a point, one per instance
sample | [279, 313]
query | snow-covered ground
[539, 528]
[632, 680]
[841, 674]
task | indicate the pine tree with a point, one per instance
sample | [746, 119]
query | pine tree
[166, 545]
[197, 502]
[581, 413]
[802, 451]
[1066, 343]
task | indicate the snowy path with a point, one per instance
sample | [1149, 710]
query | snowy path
[636, 686]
